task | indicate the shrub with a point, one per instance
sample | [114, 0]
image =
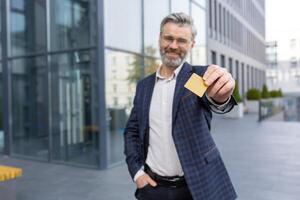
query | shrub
[280, 93]
[253, 94]
[236, 94]
[265, 93]
[274, 93]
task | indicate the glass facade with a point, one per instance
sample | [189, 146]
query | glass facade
[199, 56]
[27, 26]
[71, 83]
[127, 27]
[152, 23]
[70, 24]
[74, 136]
[29, 100]
[1, 87]
[1, 111]
[120, 79]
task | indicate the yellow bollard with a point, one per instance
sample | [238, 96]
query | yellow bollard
[7, 182]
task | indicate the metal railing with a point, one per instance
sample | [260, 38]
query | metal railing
[269, 107]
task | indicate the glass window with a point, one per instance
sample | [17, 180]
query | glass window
[123, 29]
[236, 74]
[201, 2]
[230, 66]
[0, 31]
[74, 133]
[213, 57]
[222, 60]
[70, 24]
[152, 23]
[180, 6]
[27, 26]
[199, 56]
[29, 100]
[122, 71]
[151, 65]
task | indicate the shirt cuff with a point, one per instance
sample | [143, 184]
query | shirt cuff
[219, 107]
[138, 174]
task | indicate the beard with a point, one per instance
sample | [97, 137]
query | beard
[172, 62]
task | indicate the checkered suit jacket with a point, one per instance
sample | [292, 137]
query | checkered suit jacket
[203, 167]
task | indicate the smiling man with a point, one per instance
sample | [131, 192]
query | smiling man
[168, 146]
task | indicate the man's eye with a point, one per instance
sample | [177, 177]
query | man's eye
[169, 38]
[182, 41]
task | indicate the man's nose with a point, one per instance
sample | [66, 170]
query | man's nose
[173, 44]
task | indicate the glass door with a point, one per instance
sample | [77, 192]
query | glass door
[73, 136]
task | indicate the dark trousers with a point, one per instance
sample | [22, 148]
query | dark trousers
[163, 193]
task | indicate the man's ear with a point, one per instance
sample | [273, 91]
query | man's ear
[193, 44]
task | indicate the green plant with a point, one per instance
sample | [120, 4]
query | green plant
[265, 93]
[253, 94]
[274, 93]
[280, 93]
[236, 94]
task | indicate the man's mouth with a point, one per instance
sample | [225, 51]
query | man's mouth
[172, 54]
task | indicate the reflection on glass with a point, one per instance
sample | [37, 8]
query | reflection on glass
[180, 6]
[70, 24]
[201, 2]
[28, 26]
[122, 72]
[152, 21]
[151, 65]
[291, 108]
[74, 136]
[123, 28]
[29, 110]
[199, 56]
[0, 31]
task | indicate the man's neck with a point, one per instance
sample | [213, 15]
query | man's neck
[166, 71]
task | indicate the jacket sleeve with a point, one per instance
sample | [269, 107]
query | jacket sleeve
[200, 70]
[132, 141]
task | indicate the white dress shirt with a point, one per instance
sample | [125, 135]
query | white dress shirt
[162, 155]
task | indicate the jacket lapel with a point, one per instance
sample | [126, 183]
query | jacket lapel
[148, 90]
[182, 78]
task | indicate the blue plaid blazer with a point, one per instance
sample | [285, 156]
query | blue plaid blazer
[203, 167]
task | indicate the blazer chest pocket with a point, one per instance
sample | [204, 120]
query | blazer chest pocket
[190, 100]
[211, 155]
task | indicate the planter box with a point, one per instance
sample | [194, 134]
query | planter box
[252, 106]
[236, 112]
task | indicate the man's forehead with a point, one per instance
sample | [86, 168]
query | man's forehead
[176, 25]
[178, 29]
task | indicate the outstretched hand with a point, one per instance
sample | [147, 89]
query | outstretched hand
[220, 83]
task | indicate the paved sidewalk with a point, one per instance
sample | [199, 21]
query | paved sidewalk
[262, 160]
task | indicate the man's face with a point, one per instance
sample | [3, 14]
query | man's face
[174, 44]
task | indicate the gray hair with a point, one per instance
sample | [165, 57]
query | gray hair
[181, 19]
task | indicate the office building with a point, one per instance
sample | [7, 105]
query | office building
[284, 73]
[236, 40]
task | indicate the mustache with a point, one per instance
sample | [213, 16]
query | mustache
[172, 51]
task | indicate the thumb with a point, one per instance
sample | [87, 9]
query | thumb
[151, 182]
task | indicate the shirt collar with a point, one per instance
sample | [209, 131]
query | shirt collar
[176, 72]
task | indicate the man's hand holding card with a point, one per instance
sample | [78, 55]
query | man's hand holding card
[216, 82]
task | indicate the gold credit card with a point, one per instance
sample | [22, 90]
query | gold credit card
[196, 85]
